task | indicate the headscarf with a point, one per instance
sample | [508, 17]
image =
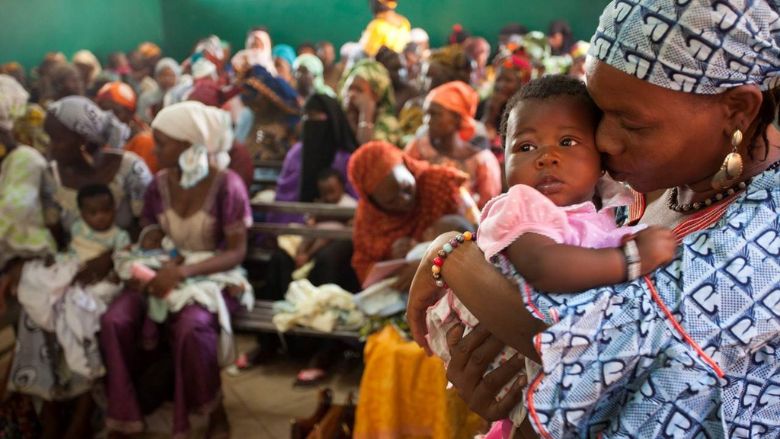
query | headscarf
[85, 57]
[85, 118]
[314, 65]
[260, 82]
[212, 49]
[13, 101]
[149, 50]
[458, 97]
[386, 124]
[378, 78]
[203, 68]
[418, 36]
[167, 63]
[375, 231]
[118, 92]
[519, 62]
[285, 52]
[209, 131]
[256, 53]
[321, 141]
[698, 46]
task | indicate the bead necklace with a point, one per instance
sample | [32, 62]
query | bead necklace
[720, 196]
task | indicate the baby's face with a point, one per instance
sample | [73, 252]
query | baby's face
[98, 212]
[330, 190]
[152, 240]
[550, 146]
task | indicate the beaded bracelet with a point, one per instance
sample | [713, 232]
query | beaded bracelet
[445, 250]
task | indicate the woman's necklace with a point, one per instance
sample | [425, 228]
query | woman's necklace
[699, 205]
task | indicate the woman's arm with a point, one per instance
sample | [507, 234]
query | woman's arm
[171, 274]
[231, 257]
[491, 297]
[560, 268]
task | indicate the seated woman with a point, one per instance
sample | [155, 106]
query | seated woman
[201, 207]
[309, 79]
[79, 132]
[369, 101]
[452, 137]
[167, 73]
[401, 198]
[267, 123]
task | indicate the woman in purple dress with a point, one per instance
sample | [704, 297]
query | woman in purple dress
[201, 206]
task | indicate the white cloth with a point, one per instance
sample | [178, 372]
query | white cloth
[324, 308]
[209, 131]
[72, 312]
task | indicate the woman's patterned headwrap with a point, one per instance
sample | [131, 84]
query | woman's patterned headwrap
[695, 46]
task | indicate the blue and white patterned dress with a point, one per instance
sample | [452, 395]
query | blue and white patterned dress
[615, 365]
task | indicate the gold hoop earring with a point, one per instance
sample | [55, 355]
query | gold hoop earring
[731, 169]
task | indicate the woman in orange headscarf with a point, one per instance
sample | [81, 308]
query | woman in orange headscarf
[399, 198]
[451, 137]
[120, 99]
[403, 391]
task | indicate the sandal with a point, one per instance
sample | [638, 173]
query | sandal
[310, 377]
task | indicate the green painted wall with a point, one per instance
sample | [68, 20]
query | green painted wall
[296, 21]
[30, 28]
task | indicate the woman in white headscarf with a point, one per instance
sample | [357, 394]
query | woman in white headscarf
[201, 206]
[258, 52]
[167, 74]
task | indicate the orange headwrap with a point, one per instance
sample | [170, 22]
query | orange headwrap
[375, 231]
[459, 97]
[149, 50]
[118, 92]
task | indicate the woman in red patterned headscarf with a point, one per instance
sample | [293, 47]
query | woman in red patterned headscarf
[399, 198]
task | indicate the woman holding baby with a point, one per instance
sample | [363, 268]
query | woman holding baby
[690, 117]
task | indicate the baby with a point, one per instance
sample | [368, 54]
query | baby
[556, 224]
[57, 300]
[331, 187]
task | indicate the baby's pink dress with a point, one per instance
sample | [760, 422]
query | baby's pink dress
[522, 210]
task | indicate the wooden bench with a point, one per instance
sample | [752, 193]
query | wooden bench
[259, 319]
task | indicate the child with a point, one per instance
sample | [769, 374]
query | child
[556, 224]
[331, 187]
[57, 302]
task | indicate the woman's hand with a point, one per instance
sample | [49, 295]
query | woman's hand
[424, 293]
[470, 357]
[168, 277]
[95, 269]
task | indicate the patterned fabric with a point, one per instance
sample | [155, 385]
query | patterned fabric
[128, 186]
[438, 194]
[697, 46]
[87, 243]
[691, 351]
[13, 100]
[28, 128]
[22, 229]
[86, 119]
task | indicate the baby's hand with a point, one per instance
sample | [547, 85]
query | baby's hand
[657, 247]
